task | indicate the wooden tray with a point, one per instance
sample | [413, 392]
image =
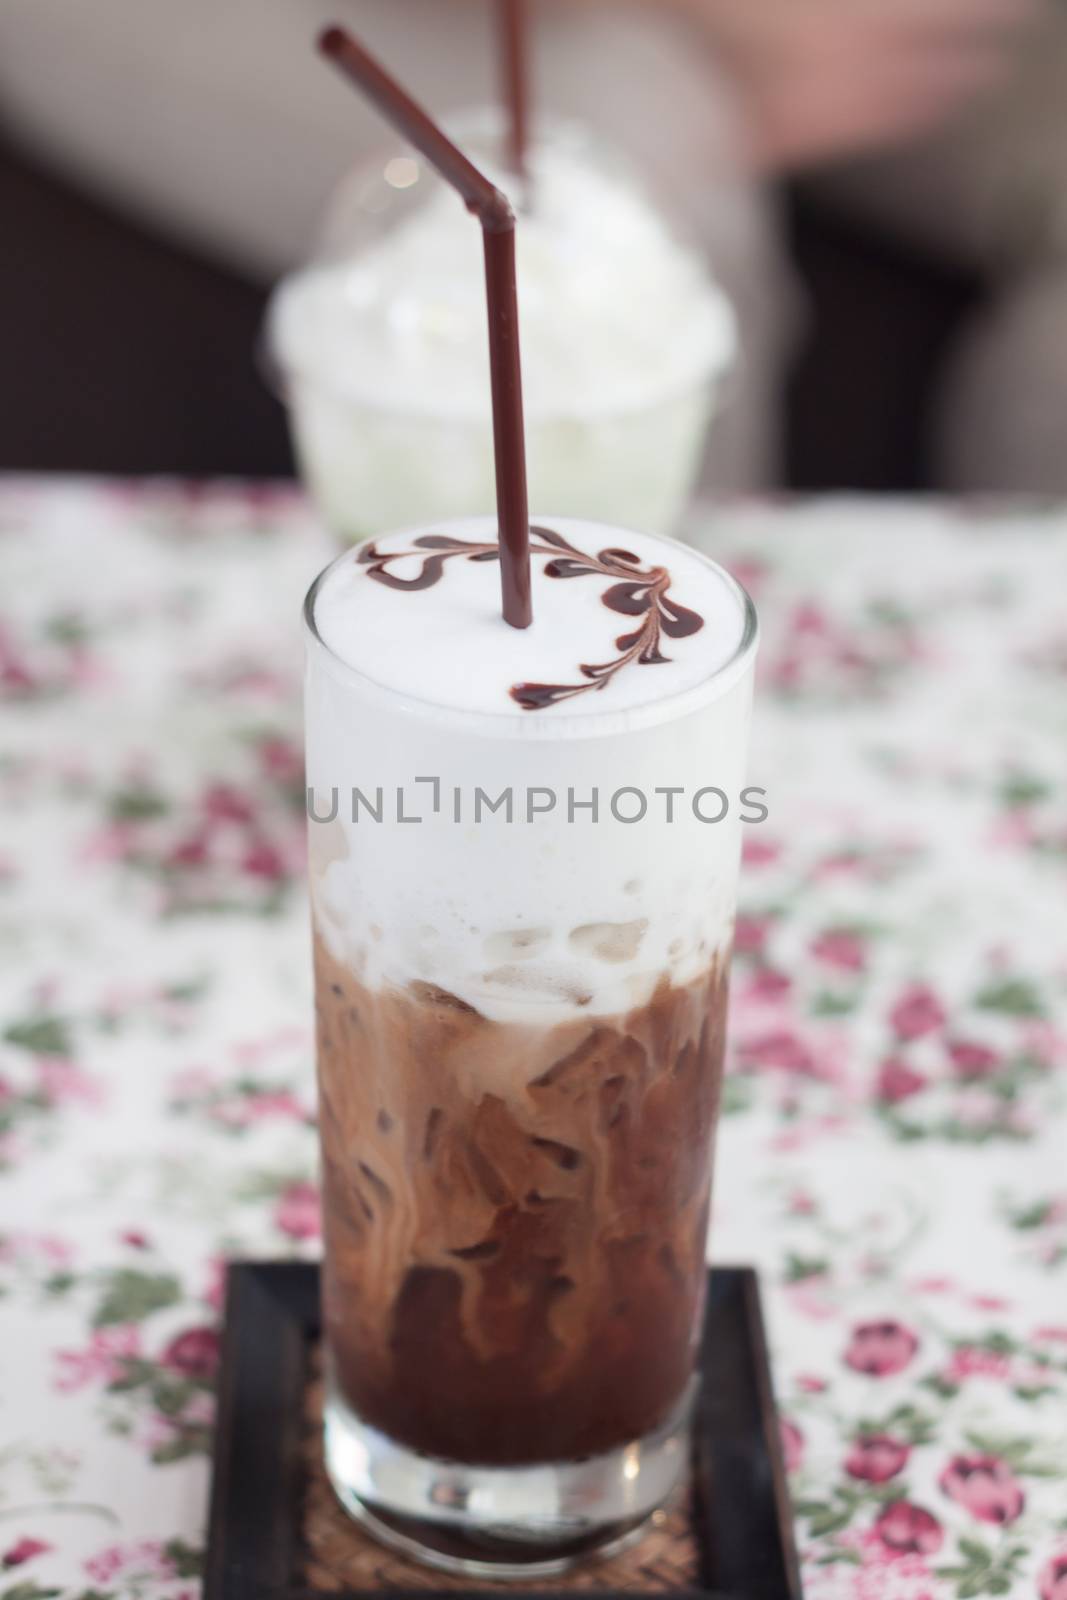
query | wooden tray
[278, 1533]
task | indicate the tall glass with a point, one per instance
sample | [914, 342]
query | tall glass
[521, 1002]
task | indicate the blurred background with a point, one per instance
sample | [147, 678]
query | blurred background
[878, 184]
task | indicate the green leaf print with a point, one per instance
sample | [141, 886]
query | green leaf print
[130, 1296]
[1029, 1217]
[43, 1035]
[1024, 789]
[829, 1004]
[984, 1571]
[136, 804]
[1015, 996]
[798, 1268]
[188, 1561]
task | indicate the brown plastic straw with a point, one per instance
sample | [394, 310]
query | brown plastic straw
[514, 62]
[493, 210]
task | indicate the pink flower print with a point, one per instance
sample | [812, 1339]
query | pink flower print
[14, 674]
[262, 860]
[274, 1103]
[62, 1083]
[759, 852]
[242, 1107]
[132, 1561]
[238, 674]
[1052, 1582]
[971, 1061]
[23, 1549]
[750, 571]
[979, 1108]
[223, 803]
[916, 1013]
[792, 1444]
[157, 1432]
[810, 1384]
[809, 1298]
[750, 934]
[897, 1081]
[971, 1362]
[985, 1485]
[192, 1084]
[102, 1361]
[809, 618]
[84, 669]
[194, 850]
[1044, 1041]
[199, 1409]
[215, 1291]
[251, 1053]
[840, 861]
[785, 673]
[282, 759]
[880, 1349]
[766, 986]
[1013, 827]
[46, 1247]
[841, 949]
[135, 1238]
[45, 994]
[779, 1049]
[906, 1529]
[194, 1353]
[875, 1458]
[297, 1212]
[115, 841]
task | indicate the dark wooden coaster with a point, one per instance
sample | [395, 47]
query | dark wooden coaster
[278, 1533]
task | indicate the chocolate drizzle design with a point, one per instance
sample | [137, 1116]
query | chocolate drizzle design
[641, 592]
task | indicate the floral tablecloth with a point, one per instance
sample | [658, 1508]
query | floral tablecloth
[894, 1150]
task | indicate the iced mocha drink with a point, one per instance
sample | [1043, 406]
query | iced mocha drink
[524, 849]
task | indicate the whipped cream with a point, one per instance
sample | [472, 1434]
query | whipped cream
[615, 314]
[525, 920]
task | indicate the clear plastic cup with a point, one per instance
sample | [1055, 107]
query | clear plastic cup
[382, 363]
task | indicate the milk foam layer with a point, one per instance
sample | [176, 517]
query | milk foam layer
[526, 921]
[614, 313]
[448, 644]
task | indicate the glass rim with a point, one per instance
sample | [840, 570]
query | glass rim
[547, 725]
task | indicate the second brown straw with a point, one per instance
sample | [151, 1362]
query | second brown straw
[515, 71]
